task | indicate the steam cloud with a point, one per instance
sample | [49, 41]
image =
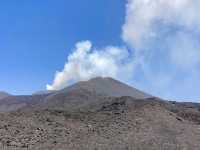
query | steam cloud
[85, 63]
[163, 36]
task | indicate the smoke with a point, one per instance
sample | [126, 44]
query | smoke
[163, 37]
[170, 23]
[85, 63]
[144, 18]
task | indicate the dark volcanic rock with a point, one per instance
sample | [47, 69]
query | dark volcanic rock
[116, 123]
[13, 103]
[107, 87]
[188, 111]
[87, 92]
[72, 97]
[100, 114]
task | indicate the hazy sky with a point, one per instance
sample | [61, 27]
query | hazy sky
[151, 44]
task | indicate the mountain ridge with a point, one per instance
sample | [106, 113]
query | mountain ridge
[3, 94]
[86, 92]
[109, 87]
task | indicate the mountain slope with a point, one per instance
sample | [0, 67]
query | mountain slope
[85, 93]
[72, 97]
[3, 95]
[122, 123]
[14, 103]
[43, 92]
[101, 113]
[107, 87]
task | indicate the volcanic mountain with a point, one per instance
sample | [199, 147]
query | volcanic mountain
[101, 113]
[72, 97]
[106, 87]
[85, 93]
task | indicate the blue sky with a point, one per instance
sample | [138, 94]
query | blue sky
[36, 37]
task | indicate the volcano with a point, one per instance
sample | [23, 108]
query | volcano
[101, 113]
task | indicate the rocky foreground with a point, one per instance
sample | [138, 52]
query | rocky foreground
[122, 123]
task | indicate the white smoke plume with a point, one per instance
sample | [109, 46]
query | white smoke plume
[85, 63]
[148, 21]
[163, 36]
[143, 16]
